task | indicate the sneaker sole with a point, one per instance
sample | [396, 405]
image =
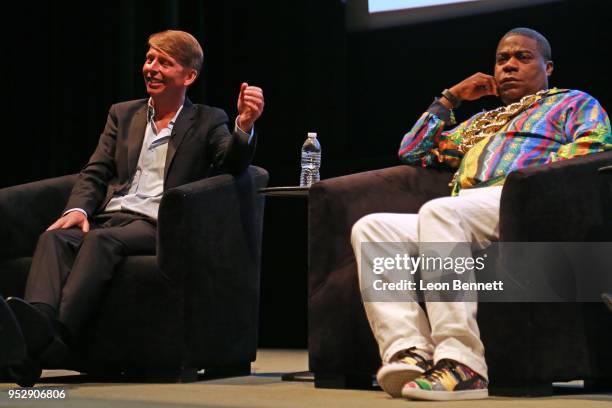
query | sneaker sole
[392, 377]
[426, 395]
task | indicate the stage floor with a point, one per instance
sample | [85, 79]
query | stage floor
[263, 388]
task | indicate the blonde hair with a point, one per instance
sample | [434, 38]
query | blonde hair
[181, 46]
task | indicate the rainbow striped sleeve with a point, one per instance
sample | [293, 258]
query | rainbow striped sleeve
[587, 127]
[427, 144]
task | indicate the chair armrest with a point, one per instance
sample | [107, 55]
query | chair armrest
[209, 245]
[211, 223]
[335, 204]
[26, 210]
[561, 201]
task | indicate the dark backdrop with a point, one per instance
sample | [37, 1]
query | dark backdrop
[65, 63]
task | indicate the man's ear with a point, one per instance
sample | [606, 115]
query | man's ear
[549, 68]
[191, 77]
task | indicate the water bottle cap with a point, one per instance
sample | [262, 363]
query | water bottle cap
[312, 134]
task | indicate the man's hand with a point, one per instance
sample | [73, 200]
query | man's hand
[71, 219]
[472, 88]
[250, 106]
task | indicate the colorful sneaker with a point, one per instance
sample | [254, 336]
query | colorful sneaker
[447, 380]
[405, 366]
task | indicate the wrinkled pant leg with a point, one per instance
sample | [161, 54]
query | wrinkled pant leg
[473, 218]
[51, 265]
[101, 251]
[396, 325]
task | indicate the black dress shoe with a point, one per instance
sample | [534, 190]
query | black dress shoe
[14, 361]
[26, 373]
[35, 326]
[44, 345]
[12, 344]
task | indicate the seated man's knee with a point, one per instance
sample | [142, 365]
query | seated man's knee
[436, 208]
[361, 230]
[49, 234]
[53, 235]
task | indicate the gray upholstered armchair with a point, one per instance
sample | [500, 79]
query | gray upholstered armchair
[564, 201]
[193, 306]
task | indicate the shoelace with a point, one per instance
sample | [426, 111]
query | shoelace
[444, 371]
[408, 355]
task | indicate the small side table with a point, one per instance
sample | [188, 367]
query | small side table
[289, 191]
[299, 192]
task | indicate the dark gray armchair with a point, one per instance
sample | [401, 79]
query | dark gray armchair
[193, 306]
[527, 345]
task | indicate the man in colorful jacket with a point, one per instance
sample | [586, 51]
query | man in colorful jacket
[439, 355]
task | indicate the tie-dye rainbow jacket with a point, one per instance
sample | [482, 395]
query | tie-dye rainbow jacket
[563, 124]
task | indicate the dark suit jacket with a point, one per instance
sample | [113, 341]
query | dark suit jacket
[200, 139]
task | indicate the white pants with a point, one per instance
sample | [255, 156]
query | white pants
[449, 329]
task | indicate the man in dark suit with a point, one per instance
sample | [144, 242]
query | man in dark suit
[147, 147]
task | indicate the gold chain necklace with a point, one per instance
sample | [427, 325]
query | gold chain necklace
[487, 124]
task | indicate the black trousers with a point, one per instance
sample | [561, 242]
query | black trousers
[71, 270]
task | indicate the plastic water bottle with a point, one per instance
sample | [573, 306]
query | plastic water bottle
[311, 160]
